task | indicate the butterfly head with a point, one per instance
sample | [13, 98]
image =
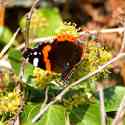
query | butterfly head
[33, 56]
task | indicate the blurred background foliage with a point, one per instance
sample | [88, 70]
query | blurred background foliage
[80, 105]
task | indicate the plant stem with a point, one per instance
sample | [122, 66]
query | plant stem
[101, 100]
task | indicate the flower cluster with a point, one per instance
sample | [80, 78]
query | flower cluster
[67, 28]
[37, 21]
[10, 102]
[78, 99]
[42, 78]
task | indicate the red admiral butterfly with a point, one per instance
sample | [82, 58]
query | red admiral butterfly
[61, 55]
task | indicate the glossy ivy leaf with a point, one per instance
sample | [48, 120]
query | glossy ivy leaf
[28, 72]
[90, 114]
[86, 115]
[5, 36]
[55, 115]
[29, 111]
[15, 57]
[33, 94]
[113, 97]
[44, 22]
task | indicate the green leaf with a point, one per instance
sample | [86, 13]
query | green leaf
[28, 72]
[113, 98]
[15, 60]
[54, 116]
[92, 116]
[34, 94]
[30, 110]
[53, 19]
[44, 22]
[86, 115]
[5, 36]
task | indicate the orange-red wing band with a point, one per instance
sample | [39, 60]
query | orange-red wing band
[68, 37]
[46, 51]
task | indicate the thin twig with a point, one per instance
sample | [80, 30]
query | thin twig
[28, 19]
[50, 38]
[12, 40]
[46, 99]
[28, 16]
[101, 100]
[123, 42]
[43, 111]
[5, 64]
[112, 30]
[59, 96]
[120, 113]
[17, 121]
[121, 110]
[43, 39]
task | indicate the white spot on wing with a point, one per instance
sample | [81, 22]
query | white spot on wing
[35, 53]
[67, 64]
[35, 62]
